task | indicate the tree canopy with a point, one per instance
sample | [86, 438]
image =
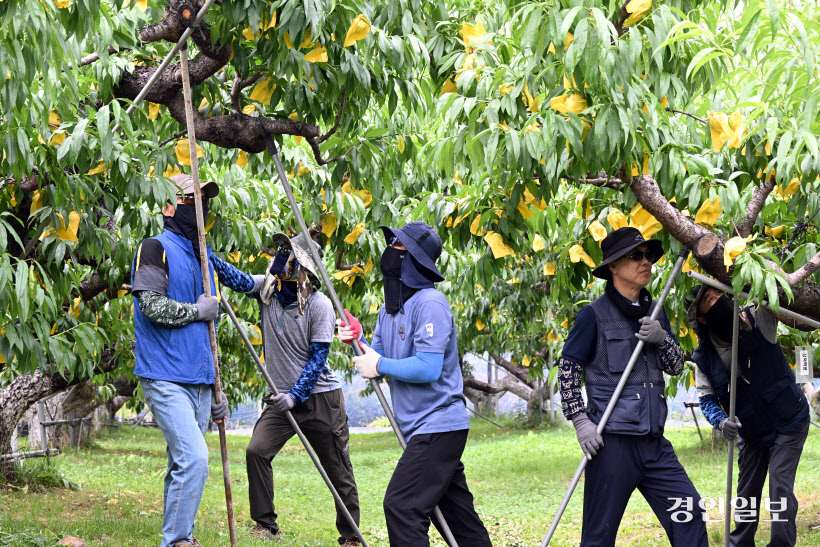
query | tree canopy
[523, 131]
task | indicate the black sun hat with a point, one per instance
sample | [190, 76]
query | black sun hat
[619, 243]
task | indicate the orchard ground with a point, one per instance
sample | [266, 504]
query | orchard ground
[518, 478]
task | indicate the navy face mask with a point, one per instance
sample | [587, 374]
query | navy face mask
[720, 317]
[183, 222]
[396, 293]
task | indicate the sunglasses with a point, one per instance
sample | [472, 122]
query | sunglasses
[191, 201]
[638, 255]
[394, 241]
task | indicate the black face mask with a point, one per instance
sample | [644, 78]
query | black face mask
[396, 293]
[719, 318]
[183, 222]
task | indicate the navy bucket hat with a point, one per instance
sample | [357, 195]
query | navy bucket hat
[423, 244]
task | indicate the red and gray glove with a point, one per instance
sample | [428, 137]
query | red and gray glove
[350, 330]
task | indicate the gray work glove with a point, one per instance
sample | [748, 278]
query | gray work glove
[730, 428]
[282, 402]
[587, 433]
[219, 411]
[651, 331]
[207, 308]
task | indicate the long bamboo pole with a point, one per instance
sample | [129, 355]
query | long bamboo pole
[448, 535]
[206, 285]
[264, 372]
[615, 395]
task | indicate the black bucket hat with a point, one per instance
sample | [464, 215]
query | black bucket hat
[619, 243]
[423, 244]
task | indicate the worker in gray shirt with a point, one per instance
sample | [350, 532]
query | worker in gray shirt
[298, 324]
[771, 412]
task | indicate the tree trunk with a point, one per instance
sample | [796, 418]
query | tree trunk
[813, 396]
[26, 390]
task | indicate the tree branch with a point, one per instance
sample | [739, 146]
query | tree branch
[238, 86]
[519, 371]
[506, 384]
[806, 298]
[753, 208]
[804, 272]
[602, 180]
[701, 120]
[333, 129]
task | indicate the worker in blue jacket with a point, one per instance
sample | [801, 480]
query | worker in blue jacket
[771, 412]
[632, 451]
[173, 354]
[415, 347]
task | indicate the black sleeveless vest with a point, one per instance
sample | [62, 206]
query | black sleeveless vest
[768, 398]
[641, 408]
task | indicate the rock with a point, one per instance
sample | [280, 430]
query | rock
[72, 541]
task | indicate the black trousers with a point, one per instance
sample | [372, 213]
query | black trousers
[430, 473]
[627, 462]
[780, 462]
[323, 420]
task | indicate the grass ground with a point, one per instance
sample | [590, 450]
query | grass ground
[518, 478]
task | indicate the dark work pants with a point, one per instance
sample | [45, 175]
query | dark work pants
[627, 462]
[323, 420]
[780, 462]
[430, 473]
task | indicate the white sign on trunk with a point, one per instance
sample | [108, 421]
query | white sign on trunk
[804, 371]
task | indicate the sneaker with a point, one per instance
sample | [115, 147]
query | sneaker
[351, 543]
[263, 532]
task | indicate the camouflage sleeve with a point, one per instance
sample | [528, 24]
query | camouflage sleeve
[165, 312]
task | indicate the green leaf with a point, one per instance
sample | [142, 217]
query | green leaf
[749, 32]
[774, 16]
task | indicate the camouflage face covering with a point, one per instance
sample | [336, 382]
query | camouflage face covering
[278, 285]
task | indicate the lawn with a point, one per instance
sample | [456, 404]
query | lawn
[518, 478]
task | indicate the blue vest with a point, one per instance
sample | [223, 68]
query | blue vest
[641, 408]
[183, 354]
[768, 400]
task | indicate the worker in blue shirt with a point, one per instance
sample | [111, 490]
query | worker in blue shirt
[632, 451]
[416, 348]
[173, 354]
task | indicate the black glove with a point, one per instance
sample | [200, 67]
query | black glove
[219, 411]
[207, 308]
[730, 428]
[587, 433]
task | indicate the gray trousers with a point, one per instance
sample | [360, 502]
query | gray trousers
[323, 420]
[780, 462]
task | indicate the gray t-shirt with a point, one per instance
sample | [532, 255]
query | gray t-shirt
[288, 337]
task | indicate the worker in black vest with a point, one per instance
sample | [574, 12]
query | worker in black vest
[771, 412]
[632, 451]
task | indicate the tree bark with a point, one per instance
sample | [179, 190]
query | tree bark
[27, 389]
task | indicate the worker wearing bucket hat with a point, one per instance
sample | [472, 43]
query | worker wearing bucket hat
[415, 347]
[771, 412]
[297, 329]
[173, 353]
[632, 451]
